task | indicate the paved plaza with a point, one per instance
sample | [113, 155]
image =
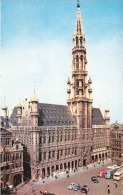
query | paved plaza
[82, 176]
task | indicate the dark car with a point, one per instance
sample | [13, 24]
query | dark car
[94, 179]
[85, 189]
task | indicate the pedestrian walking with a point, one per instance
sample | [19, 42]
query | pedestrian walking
[115, 185]
[108, 191]
[108, 185]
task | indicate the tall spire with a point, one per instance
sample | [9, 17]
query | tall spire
[78, 26]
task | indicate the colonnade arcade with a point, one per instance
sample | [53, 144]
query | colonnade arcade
[100, 157]
[58, 168]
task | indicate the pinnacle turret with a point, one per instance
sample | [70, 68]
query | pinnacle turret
[4, 110]
[34, 98]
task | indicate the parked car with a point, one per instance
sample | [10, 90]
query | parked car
[94, 179]
[85, 189]
[71, 186]
[77, 187]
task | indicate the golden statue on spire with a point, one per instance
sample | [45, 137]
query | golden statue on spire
[78, 3]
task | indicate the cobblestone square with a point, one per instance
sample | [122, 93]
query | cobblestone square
[82, 177]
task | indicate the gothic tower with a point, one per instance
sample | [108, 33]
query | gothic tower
[34, 110]
[80, 103]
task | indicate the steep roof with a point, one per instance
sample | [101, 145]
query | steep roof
[4, 122]
[13, 118]
[58, 115]
[97, 118]
[53, 114]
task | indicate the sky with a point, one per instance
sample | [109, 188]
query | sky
[36, 51]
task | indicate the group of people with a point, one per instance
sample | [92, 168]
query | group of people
[115, 183]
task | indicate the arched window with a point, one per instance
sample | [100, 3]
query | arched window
[77, 63]
[77, 41]
[77, 87]
[81, 60]
[80, 41]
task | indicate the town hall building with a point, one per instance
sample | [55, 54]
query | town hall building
[59, 138]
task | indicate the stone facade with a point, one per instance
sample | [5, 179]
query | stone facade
[11, 159]
[116, 139]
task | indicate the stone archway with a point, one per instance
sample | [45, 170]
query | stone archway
[57, 167]
[85, 160]
[17, 179]
[75, 164]
[65, 166]
[48, 171]
[53, 169]
[106, 155]
[43, 173]
[72, 165]
[61, 167]
[68, 165]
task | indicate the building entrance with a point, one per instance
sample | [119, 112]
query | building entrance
[84, 162]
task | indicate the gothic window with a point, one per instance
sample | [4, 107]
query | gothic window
[81, 60]
[75, 151]
[7, 141]
[72, 137]
[65, 151]
[13, 157]
[58, 154]
[80, 41]
[68, 151]
[68, 136]
[7, 157]
[53, 138]
[40, 156]
[49, 154]
[65, 137]
[77, 41]
[49, 138]
[53, 154]
[61, 138]
[40, 140]
[75, 135]
[57, 138]
[72, 150]
[77, 62]
[77, 86]
[44, 155]
[44, 139]
[61, 152]
[17, 156]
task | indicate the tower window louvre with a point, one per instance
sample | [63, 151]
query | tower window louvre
[77, 62]
[77, 42]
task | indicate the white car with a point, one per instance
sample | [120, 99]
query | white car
[71, 186]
